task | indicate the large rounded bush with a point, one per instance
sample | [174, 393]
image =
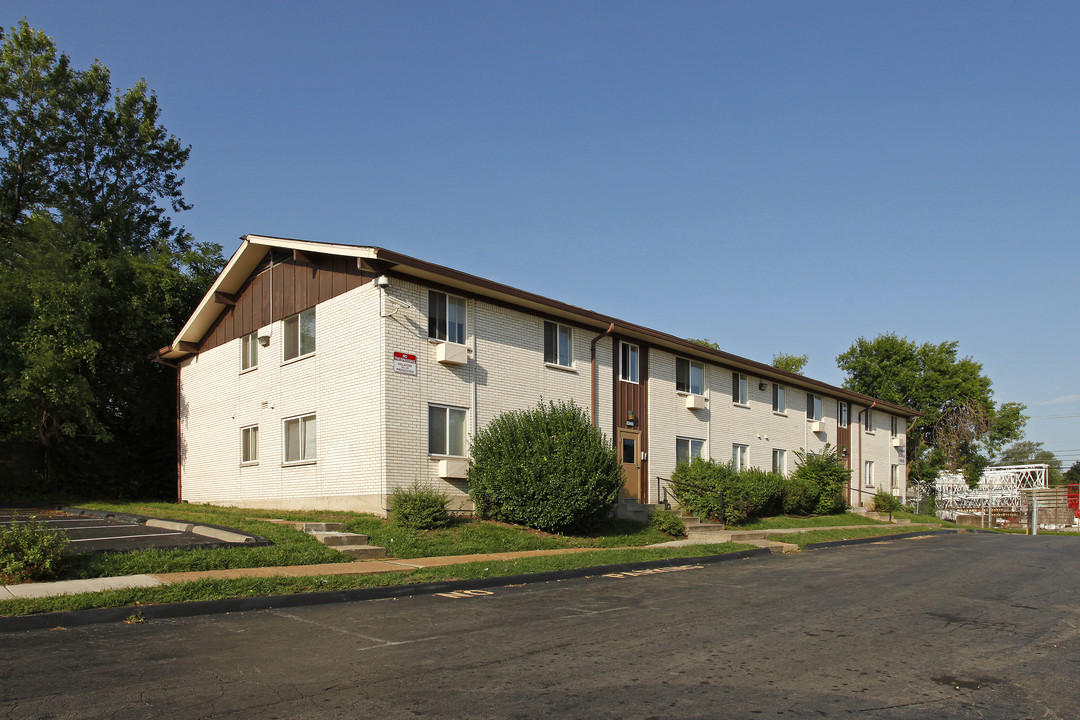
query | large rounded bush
[546, 468]
[717, 491]
[817, 486]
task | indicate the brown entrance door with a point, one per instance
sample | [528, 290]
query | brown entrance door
[630, 455]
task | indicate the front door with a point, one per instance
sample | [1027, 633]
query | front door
[630, 455]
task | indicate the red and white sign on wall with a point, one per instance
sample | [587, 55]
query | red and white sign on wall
[404, 363]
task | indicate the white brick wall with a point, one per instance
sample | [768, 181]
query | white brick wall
[372, 422]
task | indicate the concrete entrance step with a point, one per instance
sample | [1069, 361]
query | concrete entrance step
[340, 539]
[363, 552]
[317, 527]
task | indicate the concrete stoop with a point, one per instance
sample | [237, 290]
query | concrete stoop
[333, 536]
[696, 529]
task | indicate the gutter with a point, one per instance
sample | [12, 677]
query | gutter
[592, 373]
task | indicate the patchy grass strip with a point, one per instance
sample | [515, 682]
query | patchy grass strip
[259, 587]
[783, 522]
[816, 536]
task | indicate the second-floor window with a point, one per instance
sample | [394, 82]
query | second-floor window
[628, 363]
[446, 317]
[249, 351]
[299, 334]
[841, 413]
[779, 398]
[558, 344]
[689, 376]
[868, 421]
[739, 389]
[813, 406]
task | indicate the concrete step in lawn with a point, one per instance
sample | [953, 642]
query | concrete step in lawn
[355, 545]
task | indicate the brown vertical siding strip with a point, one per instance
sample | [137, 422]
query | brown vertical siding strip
[278, 301]
[288, 290]
[325, 278]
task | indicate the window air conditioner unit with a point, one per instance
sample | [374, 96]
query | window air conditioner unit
[896, 442]
[695, 402]
[451, 354]
[817, 426]
[455, 468]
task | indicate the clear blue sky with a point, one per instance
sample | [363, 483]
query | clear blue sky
[774, 176]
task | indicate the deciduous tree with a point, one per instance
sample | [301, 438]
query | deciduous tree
[93, 273]
[789, 362]
[962, 426]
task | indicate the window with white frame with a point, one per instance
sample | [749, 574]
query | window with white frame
[868, 421]
[779, 461]
[299, 335]
[558, 344]
[689, 376]
[894, 477]
[779, 398]
[739, 389]
[740, 456]
[249, 444]
[299, 434]
[628, 362]
[686, 449]
[868, 473]
[841, 414]
[446, 430]
[894, 426]
[446, 317]
[813, 406]
[249, 351]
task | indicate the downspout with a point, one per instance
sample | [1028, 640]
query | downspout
[157, 359]
[858, 477]
[592, 359]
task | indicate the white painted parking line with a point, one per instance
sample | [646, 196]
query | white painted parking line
[127, 537]
[91, 527]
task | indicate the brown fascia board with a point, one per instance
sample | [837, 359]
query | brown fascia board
[456, 278]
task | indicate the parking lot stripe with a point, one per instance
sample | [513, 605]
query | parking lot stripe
[126, 537]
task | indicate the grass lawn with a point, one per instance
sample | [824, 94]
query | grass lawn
[815, 536]
[780, 522]
[293, 547]
[259, 587]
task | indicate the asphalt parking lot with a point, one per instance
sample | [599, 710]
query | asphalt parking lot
[118, 533]
[955, 626]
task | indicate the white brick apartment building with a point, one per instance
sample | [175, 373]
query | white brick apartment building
[316, 375]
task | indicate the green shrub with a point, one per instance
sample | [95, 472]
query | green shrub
[30, 551]
[667, 522]
[419, 507]
[886, 502]
[715, 491]
[546, 468]
[817, 485]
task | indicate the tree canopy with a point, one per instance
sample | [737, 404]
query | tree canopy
[1027, 452]
[962, 426]
[93, 273]
[789, 362]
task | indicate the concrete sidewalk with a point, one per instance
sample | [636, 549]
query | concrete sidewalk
[758, 538]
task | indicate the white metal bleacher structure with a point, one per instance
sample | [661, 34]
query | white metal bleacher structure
[999, 490]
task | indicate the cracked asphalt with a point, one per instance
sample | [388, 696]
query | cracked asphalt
[957, 626]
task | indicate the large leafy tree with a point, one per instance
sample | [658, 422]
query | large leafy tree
[789, 362]
[93, 273]
[962, 427]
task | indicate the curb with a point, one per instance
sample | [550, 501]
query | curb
[227, 535]
[94, 616]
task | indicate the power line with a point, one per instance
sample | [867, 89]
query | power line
[1054, 417]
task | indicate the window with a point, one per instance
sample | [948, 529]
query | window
[813, 406]
[686, 449]
[868, 421]
[446, 317]
[300, 439]
[779, 461]
[779, 399]
[249, 444]
[841, 414]
[249, 351]
[300, 334]
[629, 451]
[868, 473]
[894, 477]
[689, 376]
[446, 430]
[558, 344]
[894, 426]
[738, 389]
[628, 365]
[740, 456]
